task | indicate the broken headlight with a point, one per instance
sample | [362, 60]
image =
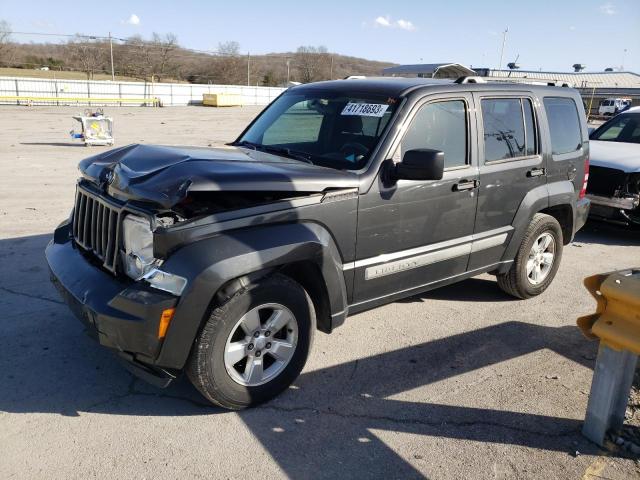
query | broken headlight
[138, 260]
[138, 246]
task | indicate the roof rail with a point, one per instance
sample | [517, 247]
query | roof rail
[560, 84]
[470, 79]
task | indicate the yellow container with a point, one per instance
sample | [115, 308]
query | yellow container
[222, 99]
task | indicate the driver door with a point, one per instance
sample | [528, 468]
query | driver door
[415, 233]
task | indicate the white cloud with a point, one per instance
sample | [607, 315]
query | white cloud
[406, 25]
[383, 21]
[387, 22]
[133, 19]
[608, 9]
[572, 28]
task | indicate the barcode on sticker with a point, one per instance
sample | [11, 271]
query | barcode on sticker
[364, 109]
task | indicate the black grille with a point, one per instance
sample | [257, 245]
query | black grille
[96, 227]
[605, 181]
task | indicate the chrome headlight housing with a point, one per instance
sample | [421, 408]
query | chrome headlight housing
[139, 262]
[138, 246]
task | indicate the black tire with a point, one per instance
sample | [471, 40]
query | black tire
[516, 282]
[206, 368]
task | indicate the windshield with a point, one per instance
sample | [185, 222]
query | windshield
[335, 130]
[623, 128]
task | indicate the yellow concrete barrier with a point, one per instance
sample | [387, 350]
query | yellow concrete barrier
[222, 99]
[29, 99]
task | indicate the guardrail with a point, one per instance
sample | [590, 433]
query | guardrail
[616, 324]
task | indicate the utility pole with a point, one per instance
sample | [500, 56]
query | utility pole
[113, 77]
[288, 64]
[248, 69]
[331, 69]
[504, 41]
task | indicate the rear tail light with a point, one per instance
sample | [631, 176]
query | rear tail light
[585, 181]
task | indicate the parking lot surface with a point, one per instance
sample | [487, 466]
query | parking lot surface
[460, 382]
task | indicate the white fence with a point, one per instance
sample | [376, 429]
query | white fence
[40, 91]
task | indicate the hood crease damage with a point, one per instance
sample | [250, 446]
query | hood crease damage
[205, 178]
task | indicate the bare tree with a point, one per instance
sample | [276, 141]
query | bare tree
[162, 53]
[229, 66]
[134, 58]
[312, 63]
[88, 57]
[5, 41]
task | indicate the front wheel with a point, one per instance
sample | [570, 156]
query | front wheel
[537, 260]
[254, 345]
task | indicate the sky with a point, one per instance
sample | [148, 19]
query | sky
[547, 35]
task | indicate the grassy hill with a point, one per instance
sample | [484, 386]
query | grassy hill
[164, 60]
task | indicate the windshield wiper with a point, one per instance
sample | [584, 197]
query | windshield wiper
[244, 143]
[287, 152]
[303, 157]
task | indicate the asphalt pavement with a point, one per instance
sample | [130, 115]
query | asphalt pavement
[460, 382]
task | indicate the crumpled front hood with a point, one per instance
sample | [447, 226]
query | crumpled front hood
[164, 174]
[618, 155]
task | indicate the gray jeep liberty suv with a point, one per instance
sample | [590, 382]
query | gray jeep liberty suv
[339, 197]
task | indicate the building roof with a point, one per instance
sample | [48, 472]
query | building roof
[576, 79]
[434, 70]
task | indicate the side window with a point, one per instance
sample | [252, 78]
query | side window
[504, 130]
[564, 124]
[440, 126]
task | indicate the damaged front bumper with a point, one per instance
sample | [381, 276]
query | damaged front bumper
[119, 313]
[625, 209]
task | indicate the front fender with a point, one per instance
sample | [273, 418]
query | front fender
[210, 263]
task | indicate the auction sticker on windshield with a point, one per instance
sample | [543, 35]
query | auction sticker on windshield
[364, 109]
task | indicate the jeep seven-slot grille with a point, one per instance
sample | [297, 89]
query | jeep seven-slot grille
[96, 226]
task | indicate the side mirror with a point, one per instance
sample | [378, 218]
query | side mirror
[421, 164]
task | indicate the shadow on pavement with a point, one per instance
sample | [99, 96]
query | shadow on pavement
[322, 426]
[608, 234]
[54, 144]
[471, 290]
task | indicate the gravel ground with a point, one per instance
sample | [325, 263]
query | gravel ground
[462, 382]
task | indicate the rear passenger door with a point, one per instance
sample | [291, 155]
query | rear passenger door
[511, 165]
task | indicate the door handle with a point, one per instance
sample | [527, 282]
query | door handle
[536, 172]
[465, 185]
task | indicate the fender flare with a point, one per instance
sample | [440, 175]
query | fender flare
[211, 263]
[537, 200]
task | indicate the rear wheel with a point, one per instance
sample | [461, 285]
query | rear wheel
[537, 260]
[254, 345]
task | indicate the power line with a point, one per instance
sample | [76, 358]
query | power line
[128, 42]
[79, 35]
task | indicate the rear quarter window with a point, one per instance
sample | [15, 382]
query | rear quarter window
[564, 124]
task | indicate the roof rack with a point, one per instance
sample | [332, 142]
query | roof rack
[470, 79]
